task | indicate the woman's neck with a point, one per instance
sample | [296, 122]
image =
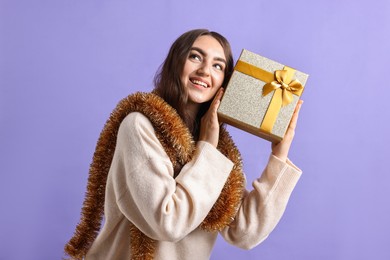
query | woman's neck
[192, 110]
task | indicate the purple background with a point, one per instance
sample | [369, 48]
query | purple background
[65, 64]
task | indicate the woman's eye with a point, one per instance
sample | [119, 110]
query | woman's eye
[218, 66]
[195, 57]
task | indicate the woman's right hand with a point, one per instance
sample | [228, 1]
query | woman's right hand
[209, 125]
[281, 149]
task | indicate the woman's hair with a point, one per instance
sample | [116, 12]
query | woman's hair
[168, 83]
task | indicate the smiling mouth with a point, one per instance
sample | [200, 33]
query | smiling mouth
[200, 83]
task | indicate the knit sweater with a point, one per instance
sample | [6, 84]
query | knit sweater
[142, 191]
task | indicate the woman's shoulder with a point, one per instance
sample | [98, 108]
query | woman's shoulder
[136, 119]
[136, 131]
[136, 124]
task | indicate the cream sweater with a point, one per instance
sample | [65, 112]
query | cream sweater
[141, 190]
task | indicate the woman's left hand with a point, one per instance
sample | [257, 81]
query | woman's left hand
[281, 149]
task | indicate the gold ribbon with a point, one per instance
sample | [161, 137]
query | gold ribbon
[280, 82]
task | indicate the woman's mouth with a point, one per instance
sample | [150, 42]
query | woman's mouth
[199, 83]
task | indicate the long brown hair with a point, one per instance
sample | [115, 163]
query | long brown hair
[167, 79]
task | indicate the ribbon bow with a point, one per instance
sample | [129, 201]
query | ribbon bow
[289, 87]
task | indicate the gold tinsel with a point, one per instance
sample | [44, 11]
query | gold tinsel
[179, 145]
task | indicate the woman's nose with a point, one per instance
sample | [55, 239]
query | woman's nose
[204, 69]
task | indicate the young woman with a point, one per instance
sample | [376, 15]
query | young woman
[167, 174]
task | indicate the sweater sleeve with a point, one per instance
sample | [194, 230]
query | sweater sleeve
[160, 206]
[263, 207]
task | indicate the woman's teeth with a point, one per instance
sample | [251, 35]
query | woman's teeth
[201, 83]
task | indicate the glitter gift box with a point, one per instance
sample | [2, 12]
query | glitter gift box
[261, 96]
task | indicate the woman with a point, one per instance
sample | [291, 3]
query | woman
[169, 176]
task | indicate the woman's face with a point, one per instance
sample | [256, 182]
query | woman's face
[204, 70]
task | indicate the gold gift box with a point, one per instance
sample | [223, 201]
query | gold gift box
[261, 96]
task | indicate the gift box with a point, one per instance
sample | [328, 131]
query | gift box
[261, 96]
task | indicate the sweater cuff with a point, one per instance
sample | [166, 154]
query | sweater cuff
[207, 172]
[219, 160]
[288, 164]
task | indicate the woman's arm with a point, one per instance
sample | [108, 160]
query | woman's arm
[160, 206]
[262, 208]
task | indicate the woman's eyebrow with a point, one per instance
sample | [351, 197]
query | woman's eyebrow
[203, 53]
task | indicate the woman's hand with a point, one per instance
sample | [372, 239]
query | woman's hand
[209, 125]
[281, 148]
